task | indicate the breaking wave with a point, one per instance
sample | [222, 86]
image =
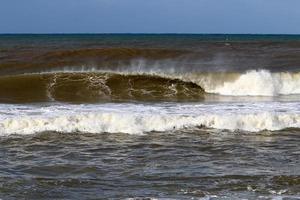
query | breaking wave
[258, 83]
[138, 119]
[95, 87]
[142, 86]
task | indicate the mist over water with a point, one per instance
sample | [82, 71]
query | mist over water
[149, 116]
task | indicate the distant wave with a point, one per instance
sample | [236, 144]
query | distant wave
[112, 53]
[122, 86]
[101, 58]
[182, 55]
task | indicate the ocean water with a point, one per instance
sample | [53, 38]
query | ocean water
[141, 116]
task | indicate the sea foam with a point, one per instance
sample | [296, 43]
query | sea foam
[129, 118]
[261, 83]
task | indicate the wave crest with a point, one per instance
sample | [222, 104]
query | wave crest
[95, 87]
[261, 83]
[250, 83]
[128, 86]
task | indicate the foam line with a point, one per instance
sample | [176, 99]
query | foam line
[129, 119]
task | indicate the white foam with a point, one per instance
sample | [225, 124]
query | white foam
[138, 119]
[260, 83]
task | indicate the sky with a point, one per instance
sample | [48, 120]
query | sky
[150, 16]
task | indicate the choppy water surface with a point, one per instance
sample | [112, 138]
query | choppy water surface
[149, 117]
[202, 164]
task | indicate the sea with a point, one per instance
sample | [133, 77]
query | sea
[149, 116]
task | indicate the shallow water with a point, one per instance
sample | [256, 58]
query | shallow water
[206, 164]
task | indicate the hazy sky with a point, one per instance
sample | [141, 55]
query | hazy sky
[150, 16]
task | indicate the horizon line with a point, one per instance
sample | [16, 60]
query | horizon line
[141, 33]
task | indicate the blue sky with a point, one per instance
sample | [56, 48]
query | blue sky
[150, 16]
